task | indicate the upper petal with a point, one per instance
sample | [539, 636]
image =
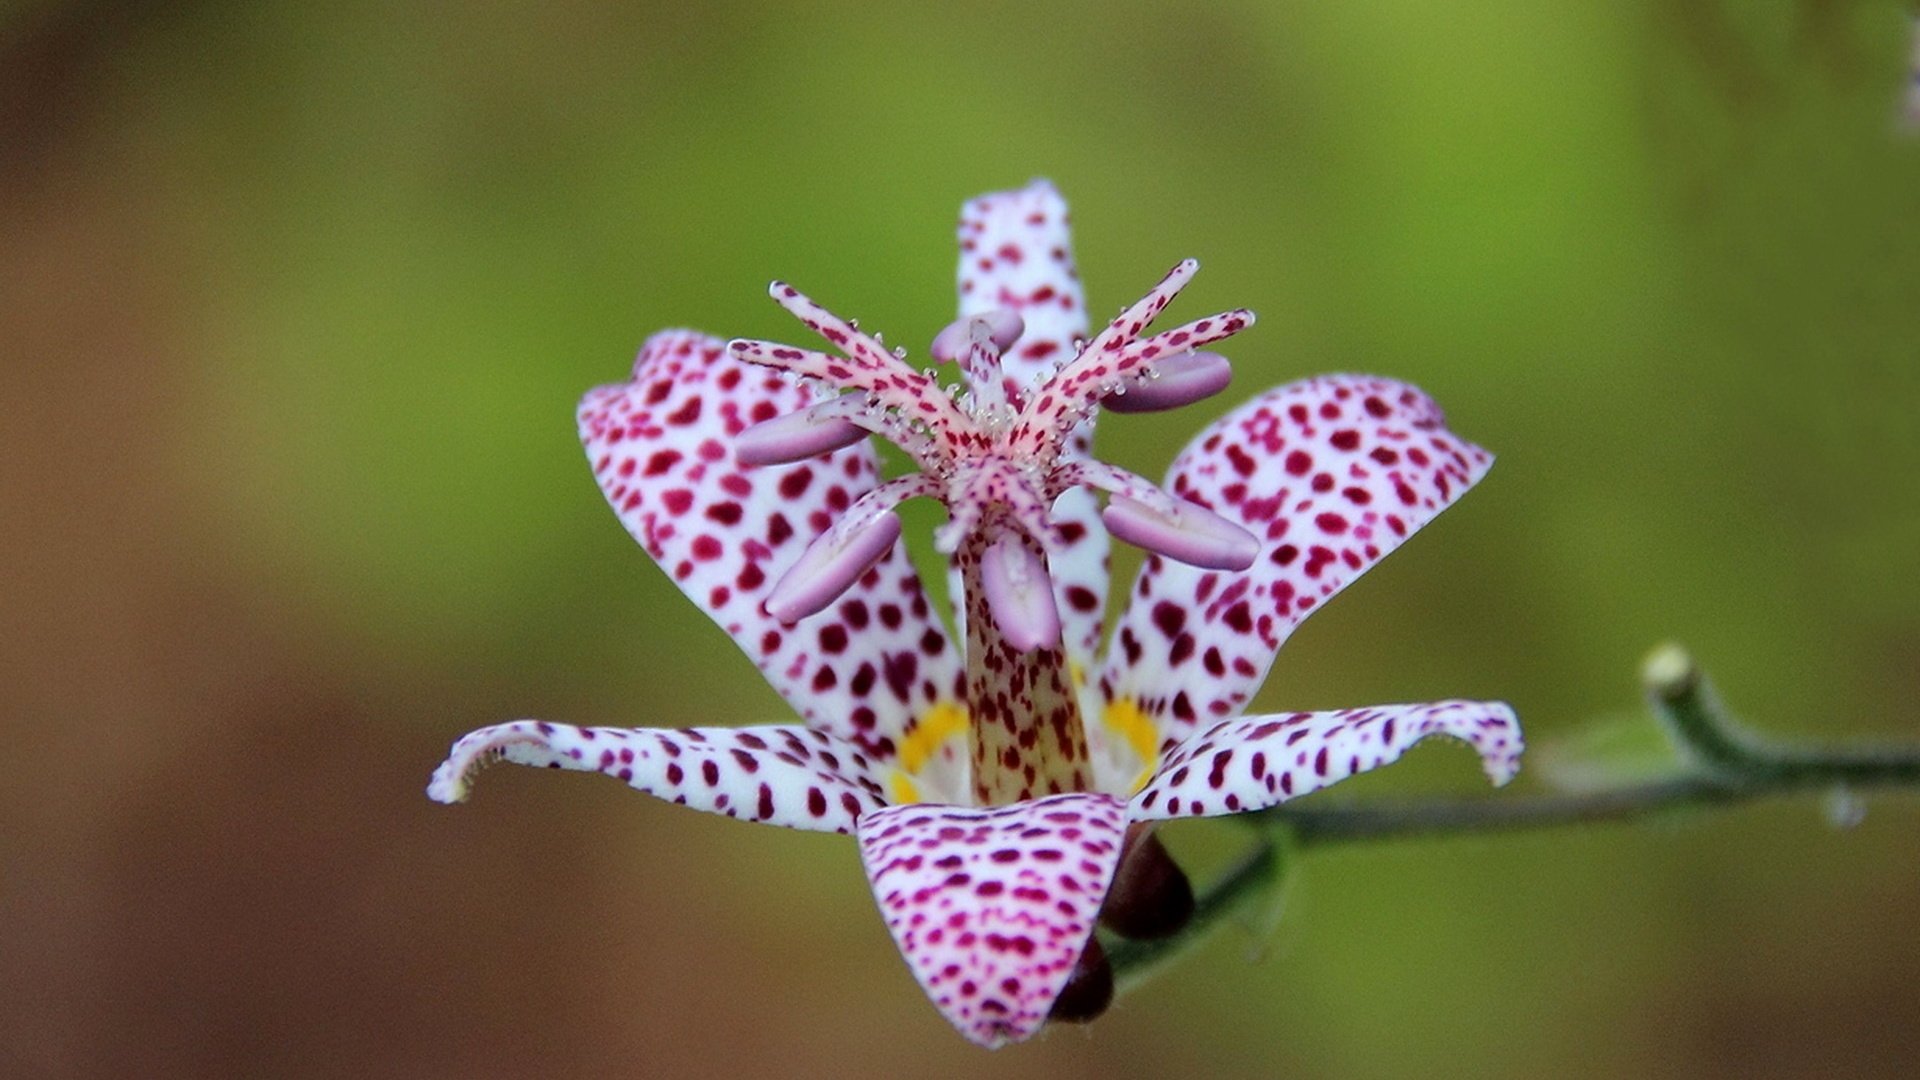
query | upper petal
[1257, 761]
[1331, 474]
[1016, 254]
[792, 776]
[874, 665]
[992, 907]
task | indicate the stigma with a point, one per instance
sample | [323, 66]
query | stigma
[996, 451]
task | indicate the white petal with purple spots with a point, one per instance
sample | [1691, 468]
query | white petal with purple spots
[790, 776]
[1257, 761]
[662, 448]
[1331, 474]
[992, 907]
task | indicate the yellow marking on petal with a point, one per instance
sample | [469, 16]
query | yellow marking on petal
[1125, 718]
[1077, 673]
[904, 791]
[936, 726]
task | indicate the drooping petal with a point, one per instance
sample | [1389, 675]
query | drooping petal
[1330, 474]
[876, 665]
[1257, 761]
[992, 907]
[792, 776]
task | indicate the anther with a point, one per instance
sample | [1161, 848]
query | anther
[830, 566]
[1019, 593]
[1177, 380]
[1187, 533]
[951, 344]
[797, 436]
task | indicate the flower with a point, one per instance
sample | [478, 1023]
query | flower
[995, 788]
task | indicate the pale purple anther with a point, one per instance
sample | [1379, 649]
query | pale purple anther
[1020, 594]
[830, 566]
[1175, 381]
[1190, 534]
[797, 436]
[1004, 326]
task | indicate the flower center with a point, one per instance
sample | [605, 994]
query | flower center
[998, 454]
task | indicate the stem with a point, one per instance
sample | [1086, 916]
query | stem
[1725, 763]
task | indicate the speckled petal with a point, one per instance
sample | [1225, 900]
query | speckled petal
[792, 776]
[876, 663]
[1257, 761]
[1016, 255]
[992, 907]
[1331, 474]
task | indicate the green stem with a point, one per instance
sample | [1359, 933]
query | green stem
[1725, 764]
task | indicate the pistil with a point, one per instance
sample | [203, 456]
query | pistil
[998, 457]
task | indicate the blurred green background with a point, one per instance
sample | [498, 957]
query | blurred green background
[296, 300]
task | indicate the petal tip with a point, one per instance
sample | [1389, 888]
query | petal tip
[452, 782]
[447, 789]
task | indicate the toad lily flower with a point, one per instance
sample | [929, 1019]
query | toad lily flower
[996, 788]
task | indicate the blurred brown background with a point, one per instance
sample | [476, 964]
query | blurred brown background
[295, 301]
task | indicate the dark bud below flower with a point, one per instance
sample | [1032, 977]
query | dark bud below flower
[1150, 896]
[1089, 989]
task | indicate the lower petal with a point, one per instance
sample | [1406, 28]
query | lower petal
[791, 776]
[1259, 761]
[992, 907]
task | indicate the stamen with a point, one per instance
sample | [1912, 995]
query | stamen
[1190, 534]
[1173, 382]
[797, 436]
[1112, 360]
[1135, 318]
[994, 484]
[914, 396]
[1020, 594]
[1184, 338]
[1115, 481]
[1004, 326]
[830, 566]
